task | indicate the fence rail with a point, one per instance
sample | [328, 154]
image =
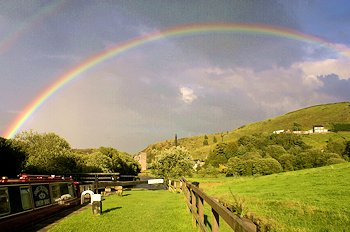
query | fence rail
[195, 200]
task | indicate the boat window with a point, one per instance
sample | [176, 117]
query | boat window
[55, 189]
[71, 190]
[4, 201]
[64, 188]
[41, 195]
[26, 198]
[15, 199]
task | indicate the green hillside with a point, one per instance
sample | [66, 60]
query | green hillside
[304, 119]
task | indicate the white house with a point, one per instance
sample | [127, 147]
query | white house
[278, 131]
[319, 129]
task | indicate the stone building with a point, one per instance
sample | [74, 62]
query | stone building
[142, 159]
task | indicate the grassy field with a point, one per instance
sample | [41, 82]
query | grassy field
[136, 211]
[308, 200]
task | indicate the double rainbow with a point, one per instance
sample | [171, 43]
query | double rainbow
[181, 30]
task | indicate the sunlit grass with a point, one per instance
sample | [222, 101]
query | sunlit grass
[307, 200]
[135, 211]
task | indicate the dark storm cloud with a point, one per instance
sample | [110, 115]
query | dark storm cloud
[335, 87]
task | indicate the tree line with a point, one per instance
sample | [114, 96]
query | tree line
[259, 154]
[48, 153]
[266, 154]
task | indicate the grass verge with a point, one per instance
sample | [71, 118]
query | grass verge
[307, 200]
[137, 210]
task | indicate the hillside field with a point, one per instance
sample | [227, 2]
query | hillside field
[307, 200]
[325, 115]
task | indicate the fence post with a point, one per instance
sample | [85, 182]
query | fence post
[188, 197]
[194, 208]
[216, 221]
[201, 210]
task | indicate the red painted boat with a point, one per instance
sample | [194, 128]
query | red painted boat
[33, 197]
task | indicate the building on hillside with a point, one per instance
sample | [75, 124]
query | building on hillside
[319, 129]
[278, 131]
[303, 132]
[142, 159]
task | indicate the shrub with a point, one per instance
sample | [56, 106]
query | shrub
[173, 163]
[262, 166]
[287, 162]
[335, 147]
[275, 151]
[266, 166]
[335, 161]
[251, 155]
[217, 156]
[209, 170]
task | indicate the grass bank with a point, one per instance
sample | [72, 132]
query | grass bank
[307, 200]
[137, 210]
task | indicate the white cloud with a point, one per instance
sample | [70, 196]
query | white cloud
[276, 90]
[312, 69]
[187, 95]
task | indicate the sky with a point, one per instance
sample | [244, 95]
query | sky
[190, 84]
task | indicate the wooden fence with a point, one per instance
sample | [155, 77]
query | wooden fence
[195, 200]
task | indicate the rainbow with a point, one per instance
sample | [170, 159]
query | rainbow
[178, 31]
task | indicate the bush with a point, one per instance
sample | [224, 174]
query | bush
[251, 155]
[217, 156]
[266, 166]
[335, 161]
[335, 147]
[275, 151]
[173, 163]
[262, 166]
[287, 162]
[208, 171]
[341, 127]
[237, 166]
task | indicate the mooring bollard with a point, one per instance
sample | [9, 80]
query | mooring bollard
[96, 204]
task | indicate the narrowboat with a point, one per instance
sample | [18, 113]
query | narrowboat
[30, 198]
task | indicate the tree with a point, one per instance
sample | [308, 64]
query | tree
[231, 149]
[335, 147]
[311, 159]
[266, 166]
[217, 156]
[215, 140]
[287, 162]
[110, 160]
[296, 127]
[205, 142]
[12, 158]
[287, 141]
[222, 136]
[47, 153]
[173, 163]
[257, 166]
[275, 151]
[251, 155]
[347, 150]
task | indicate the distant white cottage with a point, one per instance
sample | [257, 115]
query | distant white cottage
[319, 129]
[278, 131]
